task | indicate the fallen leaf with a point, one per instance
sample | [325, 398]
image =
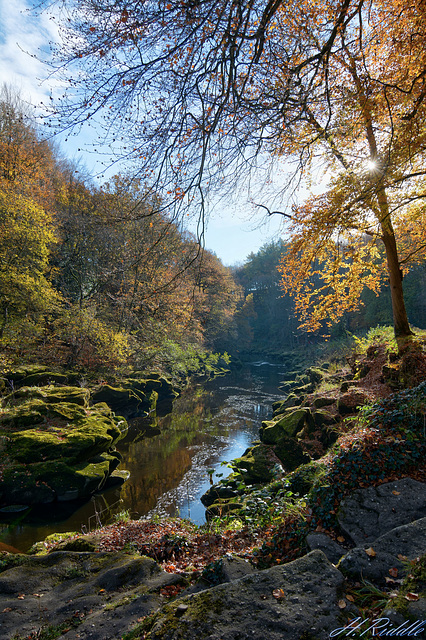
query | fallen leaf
[21, 596]
[396, 493]
[370, 552]
[401, 557]
[350, 598]
[389, 580]
[340, 539]
[7, 610]
[341, 604]
[278, 594]
[393, 572]
[38, 595]
[411, 596]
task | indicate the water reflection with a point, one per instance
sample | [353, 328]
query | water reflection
[168, 458]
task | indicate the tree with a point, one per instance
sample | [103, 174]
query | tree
[26, 227]
[197, 91]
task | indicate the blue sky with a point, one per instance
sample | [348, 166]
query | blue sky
[233, 230]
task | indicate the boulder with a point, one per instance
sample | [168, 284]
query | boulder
[56, 451]
[256, 464]
[373, 511]
[388, 552]
[324, 543]
[49, 395]
[290, 602]
[350, 401]
[289, 425]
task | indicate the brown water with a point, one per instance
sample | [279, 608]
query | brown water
[209, 425]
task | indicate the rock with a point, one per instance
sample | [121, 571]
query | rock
[303, 478]
[290, 602]
[57, 451]
[290, 453]
[408, 540]
[323, 401]
[321, 541]
[287, 426]
[92, 596]
[49, 394]
[256, 464]
[373, 511]
[126, 402]
[350, 401]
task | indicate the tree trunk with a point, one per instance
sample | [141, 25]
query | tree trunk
[400, 319]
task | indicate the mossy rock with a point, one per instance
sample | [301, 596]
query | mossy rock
[290, 453]
[44, 378]
[50, 394]
[223, 507]
[351, 401]
[280, 407]
[305, 477]
[322, 418]
[287, 426]
[305, 389]
[323, 401]
[56, 480]
[316, 375]
[17, 375]
[125, 401]
[83, 437]
[256, 464]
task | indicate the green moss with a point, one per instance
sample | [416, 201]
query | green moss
[287, 426]
[51, 394]
[256, 464]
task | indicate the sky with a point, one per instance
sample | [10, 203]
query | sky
[234, 230]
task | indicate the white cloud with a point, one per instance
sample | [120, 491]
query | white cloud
[24, 39]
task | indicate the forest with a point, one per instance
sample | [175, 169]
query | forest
[99, 277]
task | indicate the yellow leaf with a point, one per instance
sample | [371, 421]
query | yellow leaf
[350, 598]
[370, 552]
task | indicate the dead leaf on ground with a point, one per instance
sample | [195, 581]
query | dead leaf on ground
[21, 596]
[401, 557]
[7, 609]
[278, 594]
[370, 552]
[393, 572]
[350, 598]
[396, 493]
[411, 596]
[340, 539]
[341, 604]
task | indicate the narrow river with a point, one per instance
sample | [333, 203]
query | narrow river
[210, 424]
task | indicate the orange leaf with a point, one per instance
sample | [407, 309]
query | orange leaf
[278, 594]
[396, 493]
[340, 539]
[370, 552]
[393, 572]
[350, 598]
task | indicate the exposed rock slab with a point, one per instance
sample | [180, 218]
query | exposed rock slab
[373, 511]
[409, 540]
[94, 595]
[248, 609]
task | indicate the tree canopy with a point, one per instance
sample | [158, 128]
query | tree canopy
[196, 93]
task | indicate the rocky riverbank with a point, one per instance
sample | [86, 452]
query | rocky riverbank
[292, 550]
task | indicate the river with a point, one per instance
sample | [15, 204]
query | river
[211, 423]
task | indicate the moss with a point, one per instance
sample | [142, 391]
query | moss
[287, 426]
[50, 394]
[255, 465]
